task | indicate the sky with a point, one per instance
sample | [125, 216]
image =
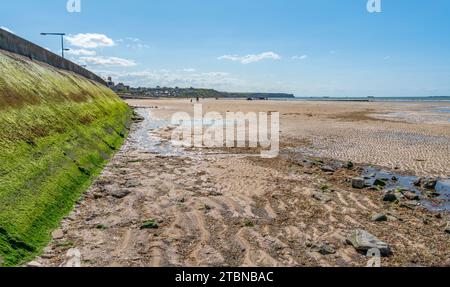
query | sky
[305, 47]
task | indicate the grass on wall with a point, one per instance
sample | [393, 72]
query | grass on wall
[57, 131]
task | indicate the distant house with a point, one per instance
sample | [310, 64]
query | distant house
[121, 88]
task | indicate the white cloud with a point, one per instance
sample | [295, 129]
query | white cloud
[6, 29]
[189, 70]
[90, 40]
[81, 52]
[251, 58]
[169, 78]
[133, 39]
[133, 43]
[137, 46]
[108, 61]
[302, 57]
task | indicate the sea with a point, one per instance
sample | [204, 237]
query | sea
[368, 99]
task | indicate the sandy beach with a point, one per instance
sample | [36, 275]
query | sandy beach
[160, 205]
[409, 136]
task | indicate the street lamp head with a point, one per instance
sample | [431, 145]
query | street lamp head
[62, 40]
[57, 34]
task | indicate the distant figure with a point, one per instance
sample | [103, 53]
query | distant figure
[198, 99]
[191, 101]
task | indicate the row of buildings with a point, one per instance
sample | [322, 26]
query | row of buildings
[146, 92]
[119, 88]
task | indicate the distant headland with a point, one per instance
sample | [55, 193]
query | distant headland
[128, 92]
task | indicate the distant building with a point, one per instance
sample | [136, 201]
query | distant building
[121, 88]
[110, 83]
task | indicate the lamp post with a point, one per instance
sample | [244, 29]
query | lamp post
[62, 40]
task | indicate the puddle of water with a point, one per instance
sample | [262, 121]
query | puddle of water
[434, 114]
[445, 110]
[143, 139]
[440, 203]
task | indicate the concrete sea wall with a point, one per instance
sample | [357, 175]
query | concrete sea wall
[12, 43]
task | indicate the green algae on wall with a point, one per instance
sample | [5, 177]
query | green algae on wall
[57, 131]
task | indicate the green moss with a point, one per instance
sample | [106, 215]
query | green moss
[57, 131]
[101, 227]
[248, 223]
[149, 224]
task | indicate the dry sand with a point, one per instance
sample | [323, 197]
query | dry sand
[217, 208]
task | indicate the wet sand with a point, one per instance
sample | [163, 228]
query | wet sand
[219, 208]
[409, 136]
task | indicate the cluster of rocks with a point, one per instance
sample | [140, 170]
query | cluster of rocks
[398, 194]
[411, 198]
[427, 183]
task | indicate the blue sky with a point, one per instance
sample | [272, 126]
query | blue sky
[306, 47]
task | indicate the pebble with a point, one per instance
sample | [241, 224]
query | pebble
[358, 183]
[379, 217]
[321, 197]
[119, 193]
[57, 234]
[324, 249]
[390, 197]
[411, 195]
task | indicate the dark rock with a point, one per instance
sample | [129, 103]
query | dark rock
[349, 165]
[363, 241]
[418, 182]
[390, 197]
[380, 182]
[321, 197]
[379, 217]
[137, 118]
[430, 183]
[324, 249]
[447, 228]
[411, 195]
[433, 194]
[119, 193]
[358, 183]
